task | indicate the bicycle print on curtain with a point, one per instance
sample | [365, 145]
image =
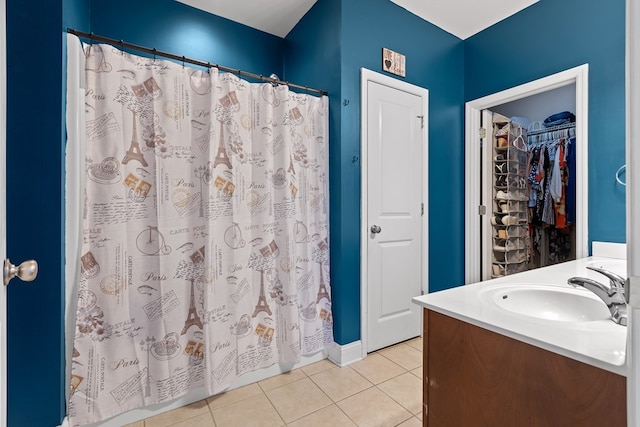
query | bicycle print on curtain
[205, 252]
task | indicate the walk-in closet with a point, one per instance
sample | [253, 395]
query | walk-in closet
[533, 187]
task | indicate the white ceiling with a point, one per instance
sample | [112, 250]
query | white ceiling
[462, 18]
[275, 17]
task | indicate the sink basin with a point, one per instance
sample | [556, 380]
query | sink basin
[549, 302]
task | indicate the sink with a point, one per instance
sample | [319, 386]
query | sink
[618, 266]
[549, 302]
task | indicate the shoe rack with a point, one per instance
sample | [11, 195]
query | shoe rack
[509, 216]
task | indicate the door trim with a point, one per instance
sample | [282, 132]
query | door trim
[632, 153]
[367, 76]
[473, 110]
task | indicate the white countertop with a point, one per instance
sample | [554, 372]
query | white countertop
[600, 343]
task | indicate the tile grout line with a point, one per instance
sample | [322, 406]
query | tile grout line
[192, 417]
[336, 401]
[395, 400]
[282, 385]
[306, 375]
[276, 409]
[211, 412]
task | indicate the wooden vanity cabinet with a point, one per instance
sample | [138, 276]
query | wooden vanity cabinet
[476, 377]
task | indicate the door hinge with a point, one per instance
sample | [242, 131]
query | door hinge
[482, 210]
[421, 121]
[421, 209]
[483, 133]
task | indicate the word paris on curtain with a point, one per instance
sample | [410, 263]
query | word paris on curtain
[205, 248]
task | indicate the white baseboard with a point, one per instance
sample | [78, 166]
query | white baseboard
[343, 355]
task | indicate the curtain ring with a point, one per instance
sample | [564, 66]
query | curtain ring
[618, 172]
[183, 61]
[154, 54]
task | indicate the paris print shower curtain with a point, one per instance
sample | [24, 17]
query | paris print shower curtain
[205, 249]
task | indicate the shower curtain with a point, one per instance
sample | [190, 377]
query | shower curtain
[205, 251]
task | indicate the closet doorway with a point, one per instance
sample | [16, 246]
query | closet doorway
[481, 199]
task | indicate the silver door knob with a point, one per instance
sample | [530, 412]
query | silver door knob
[375, 229]
[27, 271]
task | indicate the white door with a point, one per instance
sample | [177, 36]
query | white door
[396, 184]
[486, 195]
[3, 253]
[29, 269]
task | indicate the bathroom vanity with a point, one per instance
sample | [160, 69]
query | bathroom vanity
[526, 350]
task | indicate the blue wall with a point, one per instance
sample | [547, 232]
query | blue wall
[552, 36]
[434, 60]
[327, 49]
[174, 27]
[313, 58]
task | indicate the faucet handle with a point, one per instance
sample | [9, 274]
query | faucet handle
[617, 281]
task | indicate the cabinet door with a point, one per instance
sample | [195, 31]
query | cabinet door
[475, 377]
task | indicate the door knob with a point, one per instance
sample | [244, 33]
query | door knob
[26, 271]
[375, 229]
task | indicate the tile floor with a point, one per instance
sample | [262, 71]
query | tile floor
[383, 390]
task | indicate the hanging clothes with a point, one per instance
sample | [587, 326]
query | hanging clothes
[552, 193]
[534, 178]
[571, 181]
[555, 184]
[559, 245]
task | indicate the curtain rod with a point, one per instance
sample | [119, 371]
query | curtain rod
[184, 59]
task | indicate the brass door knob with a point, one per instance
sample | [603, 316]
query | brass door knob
[27, 271]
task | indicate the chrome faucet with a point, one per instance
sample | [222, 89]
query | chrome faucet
[613, 295]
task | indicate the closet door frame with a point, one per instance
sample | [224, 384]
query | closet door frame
[473, 155]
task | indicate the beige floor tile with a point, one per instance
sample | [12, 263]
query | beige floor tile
[233, 396]
[136, 424]
[377, 369]
[282, 379]
[329, 416]
[255, 411]
[298, 399]
[404, 355]
[373, 408]
[339, 383]
[406, 390]
[415, 343]
[177, 415]
[417, 372]
[320, 366]
[411, 422]
[204, 420]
